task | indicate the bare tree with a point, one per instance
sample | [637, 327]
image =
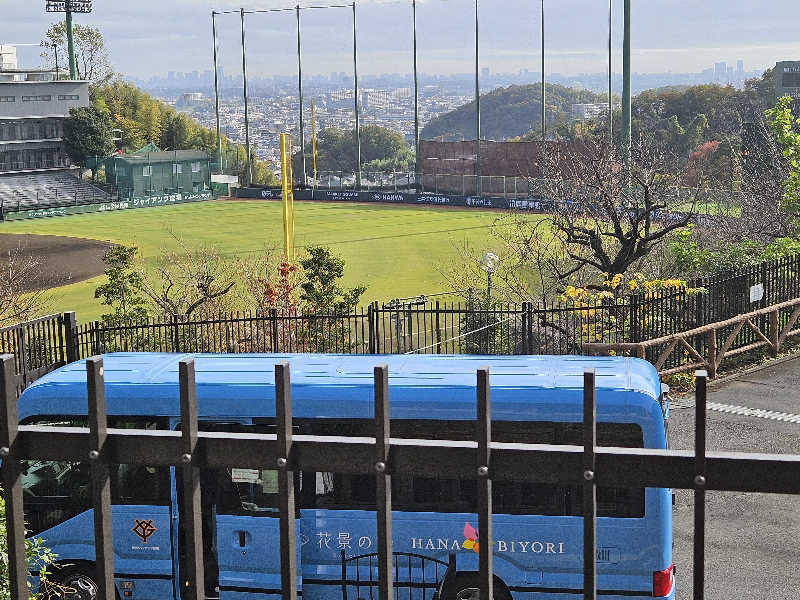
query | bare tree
[609, 215]
[21, 294]
[187, 280]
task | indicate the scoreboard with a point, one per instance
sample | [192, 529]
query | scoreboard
[787, 78]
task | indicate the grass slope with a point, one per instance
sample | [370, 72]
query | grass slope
[393, 250]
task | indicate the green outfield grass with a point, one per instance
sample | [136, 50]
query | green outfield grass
[393, 250]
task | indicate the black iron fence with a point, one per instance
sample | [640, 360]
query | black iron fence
[381, 457]
[38, 346]
[473, 327]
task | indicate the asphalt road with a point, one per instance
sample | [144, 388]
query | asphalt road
[752, 540]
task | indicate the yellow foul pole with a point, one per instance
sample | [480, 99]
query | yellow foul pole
[288, 197]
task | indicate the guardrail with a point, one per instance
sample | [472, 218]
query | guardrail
[381, 457]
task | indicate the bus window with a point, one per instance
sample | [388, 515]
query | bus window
[58, 490]
[428, 494]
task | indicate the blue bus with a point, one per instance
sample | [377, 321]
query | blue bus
[537, 527]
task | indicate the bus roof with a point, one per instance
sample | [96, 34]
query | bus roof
[340, 386]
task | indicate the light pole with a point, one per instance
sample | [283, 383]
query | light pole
[477, 110]
[249, 166]
[626, 81]
[216, 90]
[489, 263]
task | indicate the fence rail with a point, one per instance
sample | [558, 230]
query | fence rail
[380, 457]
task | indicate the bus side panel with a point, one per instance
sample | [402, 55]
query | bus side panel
[249, 557]
[141, 539]
[533, 554]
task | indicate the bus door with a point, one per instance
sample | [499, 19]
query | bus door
[241, 527]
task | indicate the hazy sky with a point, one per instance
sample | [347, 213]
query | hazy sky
[148, 37]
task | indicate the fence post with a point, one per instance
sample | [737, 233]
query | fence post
[589, 487]
[22, 352]
[101, 480]
[711, 342]
[12, 481]
[273, 316]
[383, 482]
[484, 470]
[774, 333]
[286, 497]
[175, 334]
[71, 351]
[438, 331]
[633, 320]
[371, 322]
[191, 510]
[525, 317]
[95, 335]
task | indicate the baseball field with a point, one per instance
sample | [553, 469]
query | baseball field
[395, 251]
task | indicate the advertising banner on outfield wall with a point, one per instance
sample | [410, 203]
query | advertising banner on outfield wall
[399, 198]
[60, 211]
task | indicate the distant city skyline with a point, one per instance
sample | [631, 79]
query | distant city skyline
[679, 36]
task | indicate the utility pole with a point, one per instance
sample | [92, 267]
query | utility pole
[477, 110]
[626, 83]
[216, 90]
[248, 165]
[300, 94]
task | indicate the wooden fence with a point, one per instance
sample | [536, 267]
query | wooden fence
[707, 346]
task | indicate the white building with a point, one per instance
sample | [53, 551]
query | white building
[32, 112]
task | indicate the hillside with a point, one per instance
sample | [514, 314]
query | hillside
[509, 112]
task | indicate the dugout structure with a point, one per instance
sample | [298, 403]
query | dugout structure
[147, 174]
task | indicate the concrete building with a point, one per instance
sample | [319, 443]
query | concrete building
[32, 112]
[787, 78]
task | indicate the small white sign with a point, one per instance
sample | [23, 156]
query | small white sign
[244, 475]
[757, 292]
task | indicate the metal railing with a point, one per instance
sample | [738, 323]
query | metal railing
[381, 457]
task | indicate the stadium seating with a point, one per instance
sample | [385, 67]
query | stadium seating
[44, 190]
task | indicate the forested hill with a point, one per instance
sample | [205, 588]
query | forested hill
[509, 112]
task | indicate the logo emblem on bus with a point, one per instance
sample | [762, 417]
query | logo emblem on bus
[470, 539]
[144, 529]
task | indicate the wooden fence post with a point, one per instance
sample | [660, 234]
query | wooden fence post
[774, 333]
[711, 362]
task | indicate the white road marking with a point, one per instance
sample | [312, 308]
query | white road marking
[744, 411]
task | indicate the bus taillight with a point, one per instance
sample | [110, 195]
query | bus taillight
[663, 581]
